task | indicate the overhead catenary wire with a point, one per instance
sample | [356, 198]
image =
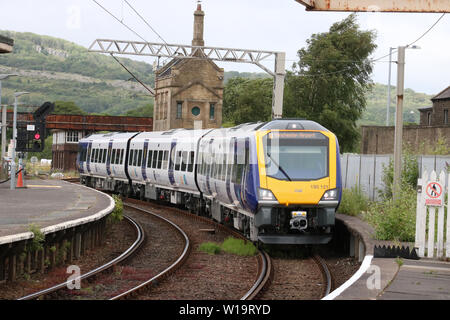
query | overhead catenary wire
[152, 92]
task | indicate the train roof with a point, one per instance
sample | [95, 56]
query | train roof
[281, 124]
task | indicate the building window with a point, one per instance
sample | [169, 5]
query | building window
[429, 118]
[72, 136]
[179, 110]
[446, 116]
[196, 111]
[212, 111]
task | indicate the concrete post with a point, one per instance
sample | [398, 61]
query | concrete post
[399, 121]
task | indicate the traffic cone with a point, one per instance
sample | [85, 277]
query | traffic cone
[20, 183]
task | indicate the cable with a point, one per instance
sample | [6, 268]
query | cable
[145, 21]
[148, 89]
[429, 29]
[112, 15]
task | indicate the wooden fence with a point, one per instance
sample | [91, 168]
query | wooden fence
[433, 236]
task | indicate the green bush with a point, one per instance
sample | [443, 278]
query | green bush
[395, 219]
[230, 245]
[409, 174]
[117, 214]
[239, 247]
[353, 202]
[210, 248]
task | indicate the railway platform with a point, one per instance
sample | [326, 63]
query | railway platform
[48, 222]
[52, 205]
[390, 278]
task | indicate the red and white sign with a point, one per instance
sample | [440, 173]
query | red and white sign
[433, 194]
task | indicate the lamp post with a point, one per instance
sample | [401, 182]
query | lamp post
[13, 155]
[4, 112]
[398, 137]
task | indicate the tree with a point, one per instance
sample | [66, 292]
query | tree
[246, 100]
[67, 107]
[329, 82]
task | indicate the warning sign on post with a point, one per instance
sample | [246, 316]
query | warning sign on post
[433, 194]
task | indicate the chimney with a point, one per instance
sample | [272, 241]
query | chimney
[199, 17]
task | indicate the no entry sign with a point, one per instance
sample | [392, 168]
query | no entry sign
[433, 194]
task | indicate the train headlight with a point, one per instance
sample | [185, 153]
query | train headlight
[266, 195]
[330, 195]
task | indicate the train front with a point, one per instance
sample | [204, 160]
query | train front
[300, 184]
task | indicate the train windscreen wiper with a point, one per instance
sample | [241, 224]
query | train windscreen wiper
[279, 167]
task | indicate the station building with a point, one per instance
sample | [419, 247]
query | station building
[189, 92]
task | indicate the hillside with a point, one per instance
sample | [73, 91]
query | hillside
[375, 113]
[54, 69]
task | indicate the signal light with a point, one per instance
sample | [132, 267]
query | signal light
[37, 136]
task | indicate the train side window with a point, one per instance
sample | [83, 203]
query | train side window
[178, 161]
[149, 159]
[135, 158]
[112, 156]
[96, 155]
[202, 163]
[184, 161]
[139, 161]
[160, 157]
[119, 155]
[165, 160]
[191, 161]
[224, 166]
[105, 152]
[130, 158]
[155, 159]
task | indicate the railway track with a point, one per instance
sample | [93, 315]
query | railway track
[265, 270]
[140, 238]
[264, 277]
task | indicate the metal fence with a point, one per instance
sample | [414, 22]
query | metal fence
[366, 171]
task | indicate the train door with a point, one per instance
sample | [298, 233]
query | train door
[173, 147]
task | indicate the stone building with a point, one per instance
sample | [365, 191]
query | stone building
[437, 115]
[189, 92]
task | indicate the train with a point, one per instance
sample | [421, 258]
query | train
[276, 182]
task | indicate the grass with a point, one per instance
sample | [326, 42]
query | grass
[354, 201]
[230, 245]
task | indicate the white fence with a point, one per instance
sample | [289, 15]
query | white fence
[366, 171]
[431, 199]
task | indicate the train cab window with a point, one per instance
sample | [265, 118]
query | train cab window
[191, 161]
[184, 156]
[165, 163]
[160, 157]
[178, 161]
[139, 161]
[95, 155]
[149, 159]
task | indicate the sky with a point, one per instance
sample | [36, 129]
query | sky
[274, 25]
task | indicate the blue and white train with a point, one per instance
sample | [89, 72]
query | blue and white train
[277, 182]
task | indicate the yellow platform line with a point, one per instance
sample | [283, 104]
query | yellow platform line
[41, 186]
